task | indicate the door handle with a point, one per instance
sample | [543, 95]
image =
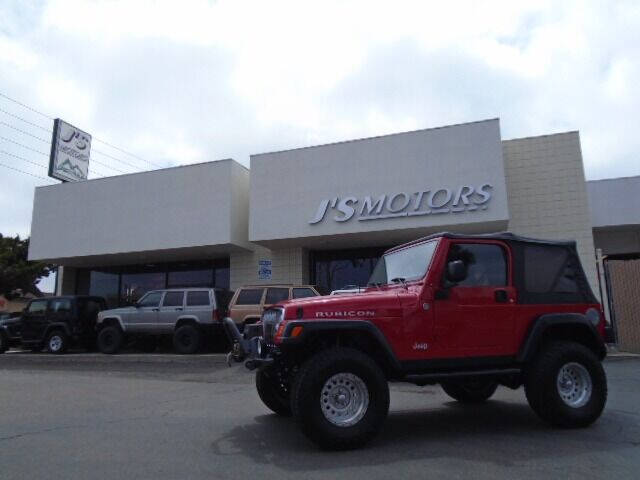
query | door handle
[501, 296]
[155, 309]
[179, 309]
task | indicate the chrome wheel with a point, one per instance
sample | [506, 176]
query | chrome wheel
[574, 384]
[55, 343]
[344, 399]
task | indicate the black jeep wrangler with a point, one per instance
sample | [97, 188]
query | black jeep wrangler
[56, 323]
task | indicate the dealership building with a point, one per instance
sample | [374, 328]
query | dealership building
[324, 214]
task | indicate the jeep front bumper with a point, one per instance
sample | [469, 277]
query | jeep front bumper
[243, 347]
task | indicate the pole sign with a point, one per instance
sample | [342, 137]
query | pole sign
[70, 149]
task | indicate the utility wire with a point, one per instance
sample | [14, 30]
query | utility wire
[23, 159]
[22, 171]
[23, 146]
[49, 143]
[26, 121]
[95, 138]
[25, 106]
[135, 167]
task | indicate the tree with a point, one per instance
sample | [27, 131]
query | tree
[17, 274]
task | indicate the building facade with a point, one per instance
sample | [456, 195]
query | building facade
[324, 214]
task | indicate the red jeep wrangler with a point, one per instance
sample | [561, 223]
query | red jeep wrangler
[467, 312]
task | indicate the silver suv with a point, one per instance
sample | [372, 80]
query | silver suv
[189, 314]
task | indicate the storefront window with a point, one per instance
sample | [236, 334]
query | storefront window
[104, 284]
[334, 270]
[124, 285]
[135, 285]
[190, 278]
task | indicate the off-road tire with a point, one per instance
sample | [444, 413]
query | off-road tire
[187, 339]
[472, 391]
[57, 342]
[543, 392]
[110, 339]
[271, 393]
[307, 390]
[4, 343]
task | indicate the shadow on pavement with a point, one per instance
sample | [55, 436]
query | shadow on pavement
[497, 432]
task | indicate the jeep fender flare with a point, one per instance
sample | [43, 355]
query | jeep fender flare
[108, 320]
[57, 326]
[314, 328]
[571, 321]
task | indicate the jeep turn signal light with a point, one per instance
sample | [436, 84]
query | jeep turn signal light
[296, 331]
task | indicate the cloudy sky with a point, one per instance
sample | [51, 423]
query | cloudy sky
[173, 83]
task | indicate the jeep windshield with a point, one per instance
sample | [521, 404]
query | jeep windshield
[403, 265]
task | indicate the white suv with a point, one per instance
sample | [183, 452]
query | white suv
[189, 314]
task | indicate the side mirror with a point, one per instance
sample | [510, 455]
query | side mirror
[456, 271]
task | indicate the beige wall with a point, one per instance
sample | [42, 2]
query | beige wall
[547, 192]
[289, 265]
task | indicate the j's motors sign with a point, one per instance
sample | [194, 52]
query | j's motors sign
[464, 198]
[70, 151]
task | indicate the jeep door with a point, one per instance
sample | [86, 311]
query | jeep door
[475, 316]
[34, 320]
[145, 318]
[172, 307]
[61, 311]
[199, 305]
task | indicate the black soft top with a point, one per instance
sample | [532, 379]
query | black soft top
[505, 236]
[545, 271]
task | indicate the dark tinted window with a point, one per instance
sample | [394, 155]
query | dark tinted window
[60, 305]
[275, 295]
[38, 307]
[249, 296]
[486, 264]
[198, 298]
[223, 298]
[303, 293]
[90, 308]
[173, 299]
[151, 299]
[549, 269]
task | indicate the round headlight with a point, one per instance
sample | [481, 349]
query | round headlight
[594, 316]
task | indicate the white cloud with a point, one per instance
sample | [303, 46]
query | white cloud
[182, 82]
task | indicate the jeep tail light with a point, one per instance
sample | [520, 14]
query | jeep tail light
[215, 315]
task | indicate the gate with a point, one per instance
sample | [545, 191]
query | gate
[623, 278]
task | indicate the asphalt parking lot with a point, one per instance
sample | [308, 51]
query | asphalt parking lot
[167, 416]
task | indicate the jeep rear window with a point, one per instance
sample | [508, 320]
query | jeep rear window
[250, 296]
[409, 264]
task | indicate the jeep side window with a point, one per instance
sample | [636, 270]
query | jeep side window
[37, 307]
[173, 299]
[151, 299]
[198, 298]
[486, 264]
[60, 305]
[275, 295]
[303, 293]
[250, 296]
